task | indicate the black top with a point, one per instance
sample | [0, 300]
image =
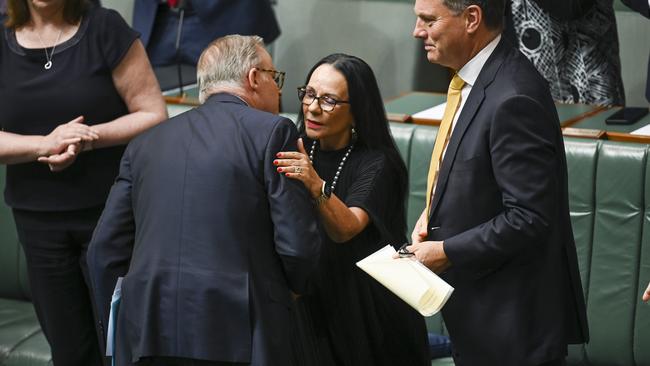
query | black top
[34, 101]
[348, 318]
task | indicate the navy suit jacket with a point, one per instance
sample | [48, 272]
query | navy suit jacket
[501, 208]
[209, 237]
[217, 18]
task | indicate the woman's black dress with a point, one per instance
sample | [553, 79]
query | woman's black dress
[347, 318]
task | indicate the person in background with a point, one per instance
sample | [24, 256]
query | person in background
[203, 21]
[75, 87]
[643, 8]
[573, 44]
[208, 238]
[350, 165]
[496, 225]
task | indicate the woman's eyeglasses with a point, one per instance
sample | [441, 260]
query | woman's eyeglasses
[307, 96]
[278, 76]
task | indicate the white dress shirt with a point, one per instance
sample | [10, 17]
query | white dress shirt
[469, 73]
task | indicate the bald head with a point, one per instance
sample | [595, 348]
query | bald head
[224, 64]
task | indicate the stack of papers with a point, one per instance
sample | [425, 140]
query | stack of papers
[645, 130]
[434, 113]
[408, 279]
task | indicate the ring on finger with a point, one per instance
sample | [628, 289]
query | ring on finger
[298, 169]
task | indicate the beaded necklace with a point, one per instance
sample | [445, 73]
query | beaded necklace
[338, 170]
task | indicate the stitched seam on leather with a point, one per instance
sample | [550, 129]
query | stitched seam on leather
[10, 350]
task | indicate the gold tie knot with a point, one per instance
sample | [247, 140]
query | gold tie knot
[456, 83]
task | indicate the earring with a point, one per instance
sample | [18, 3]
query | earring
[354, 135]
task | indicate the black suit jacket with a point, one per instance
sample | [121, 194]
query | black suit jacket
[501, 207]
[208, 236]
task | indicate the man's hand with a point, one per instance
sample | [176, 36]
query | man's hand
[419, 233]
[646, 295]
[431, 254]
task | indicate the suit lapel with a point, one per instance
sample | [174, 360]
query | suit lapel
[474, 101]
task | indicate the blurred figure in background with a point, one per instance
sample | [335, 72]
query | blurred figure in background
[643, 8]
[203, 21]
[573, 44]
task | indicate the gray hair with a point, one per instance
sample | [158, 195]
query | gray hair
[225, 63]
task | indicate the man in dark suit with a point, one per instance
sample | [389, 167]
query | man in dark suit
[497, 223]
[210, 240]
[204, 20]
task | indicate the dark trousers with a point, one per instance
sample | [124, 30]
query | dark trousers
[55, 245]
[174, 361]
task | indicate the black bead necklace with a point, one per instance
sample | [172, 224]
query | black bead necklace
[338, 170]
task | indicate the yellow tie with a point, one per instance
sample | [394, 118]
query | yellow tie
[453, 101]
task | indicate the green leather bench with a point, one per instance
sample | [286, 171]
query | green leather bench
[609, 186]
[22, 342]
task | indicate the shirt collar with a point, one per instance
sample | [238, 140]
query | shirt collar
[469, 73]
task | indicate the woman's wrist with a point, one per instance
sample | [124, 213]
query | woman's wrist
[317, 189]
[41, 146]
[86, 146]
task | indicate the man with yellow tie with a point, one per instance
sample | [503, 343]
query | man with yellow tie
[496, 224]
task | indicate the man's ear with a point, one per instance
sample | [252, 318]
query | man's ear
[473, 18]
[251, 78]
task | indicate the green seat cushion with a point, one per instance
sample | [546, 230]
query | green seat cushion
[22, 342]
[614, 273]
[641, 344]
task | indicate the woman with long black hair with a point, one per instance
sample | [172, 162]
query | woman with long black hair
[348, 161]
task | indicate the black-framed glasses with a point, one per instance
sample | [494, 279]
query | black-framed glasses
[308, 96]
[278, 76]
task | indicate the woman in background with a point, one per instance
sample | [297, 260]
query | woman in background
[75, 86]
[349, 163]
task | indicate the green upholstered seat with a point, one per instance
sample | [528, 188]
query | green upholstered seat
[22, 342]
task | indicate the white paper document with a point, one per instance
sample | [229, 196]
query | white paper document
[432, 113]
[409, 279]
[645, 130]
[116, 299]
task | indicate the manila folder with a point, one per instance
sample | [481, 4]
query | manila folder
[409, 279]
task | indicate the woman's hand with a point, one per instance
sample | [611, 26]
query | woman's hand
[58, 162]
[66, 135]
[296, 165]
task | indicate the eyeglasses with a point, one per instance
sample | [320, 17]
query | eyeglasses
[278, 76]
[326, 103]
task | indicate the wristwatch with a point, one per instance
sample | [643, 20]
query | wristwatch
[325, 194]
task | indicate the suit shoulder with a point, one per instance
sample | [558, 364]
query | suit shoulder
[261, 122]
[518, 75]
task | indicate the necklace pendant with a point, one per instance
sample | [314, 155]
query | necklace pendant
[48, 65]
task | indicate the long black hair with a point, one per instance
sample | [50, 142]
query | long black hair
[370, 122]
